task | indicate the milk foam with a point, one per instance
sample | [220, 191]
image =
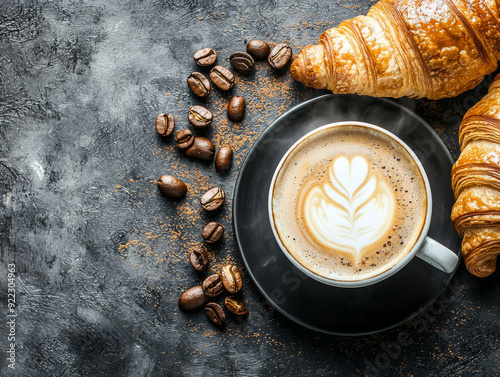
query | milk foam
[352, 210]
[349, 203]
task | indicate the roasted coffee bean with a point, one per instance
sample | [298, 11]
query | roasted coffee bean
[258, 49]
[242, 61]
[215, 313]
[212, 232]
[202, 149]
[236, 108]
[224, 159]
[199, 84]
[199, 116]
[212, 285]
[193, 298]
[279, 56]
[231, 278]
[222, 77]
[235, 306]
[212, 199]
[172, 187]
[205, 57]
[165, 124]
[184, 139]
[198, 259]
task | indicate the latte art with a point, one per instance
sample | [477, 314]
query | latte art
[348, 203]
[352, 211]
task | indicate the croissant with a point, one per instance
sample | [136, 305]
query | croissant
[415, 48]
[475, 179]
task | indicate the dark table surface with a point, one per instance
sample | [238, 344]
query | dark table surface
[100, 257]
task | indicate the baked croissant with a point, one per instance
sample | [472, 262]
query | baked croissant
[415, 48]
[475, 180]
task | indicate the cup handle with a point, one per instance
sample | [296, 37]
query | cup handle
[437, 255]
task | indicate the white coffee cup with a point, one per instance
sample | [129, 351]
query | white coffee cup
[424, 248]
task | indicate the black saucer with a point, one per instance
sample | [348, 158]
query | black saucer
[341, 311]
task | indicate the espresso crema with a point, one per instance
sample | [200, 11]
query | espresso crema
[349, 203]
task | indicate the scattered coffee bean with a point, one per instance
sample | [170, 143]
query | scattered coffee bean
[242, 61]
[215, 313]
[222, 77]
[184, 139]
[205, 57]
[279, 56]
[231, 278]
[212, 232]
[212, 285]
[193, 298]
[172, 187]
[199, 116]
[258, 49]
[235, 306]
[224, 159]
[199, 84]
[165, 124]
[212, 199]
[202, 149]
[199, 259]
[236, 108]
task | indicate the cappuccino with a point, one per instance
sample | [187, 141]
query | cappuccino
[349, 202]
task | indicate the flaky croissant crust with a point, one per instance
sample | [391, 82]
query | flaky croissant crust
[476, 206]
[476, 184]
[478, 164]
[480, 249]
[415, 48]
[482, 122]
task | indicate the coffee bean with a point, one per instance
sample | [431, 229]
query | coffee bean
[199, 259]
[212, 232]
[222, 77]
[231, 278]
[193, 298]
[242, 61]
[205, 57]
[199, 84]
[236, 108]
[184, 139]
[235, 306]
[258, 49]
[224, 159]
[165, 124]
[212, 199]
[215, 313]
[212, 285]
[202, 149]
[279, 56]
[199, 116]
[172, 187]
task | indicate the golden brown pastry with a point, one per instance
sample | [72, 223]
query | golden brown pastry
[475, 179]
[415, 48]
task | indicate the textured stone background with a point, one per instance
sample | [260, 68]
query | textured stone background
[101, 257]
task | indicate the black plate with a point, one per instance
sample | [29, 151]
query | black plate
[341, 311]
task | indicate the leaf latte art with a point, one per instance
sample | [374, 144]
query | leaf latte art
[351, 211]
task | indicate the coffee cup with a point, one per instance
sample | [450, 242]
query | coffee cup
[350, 205]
